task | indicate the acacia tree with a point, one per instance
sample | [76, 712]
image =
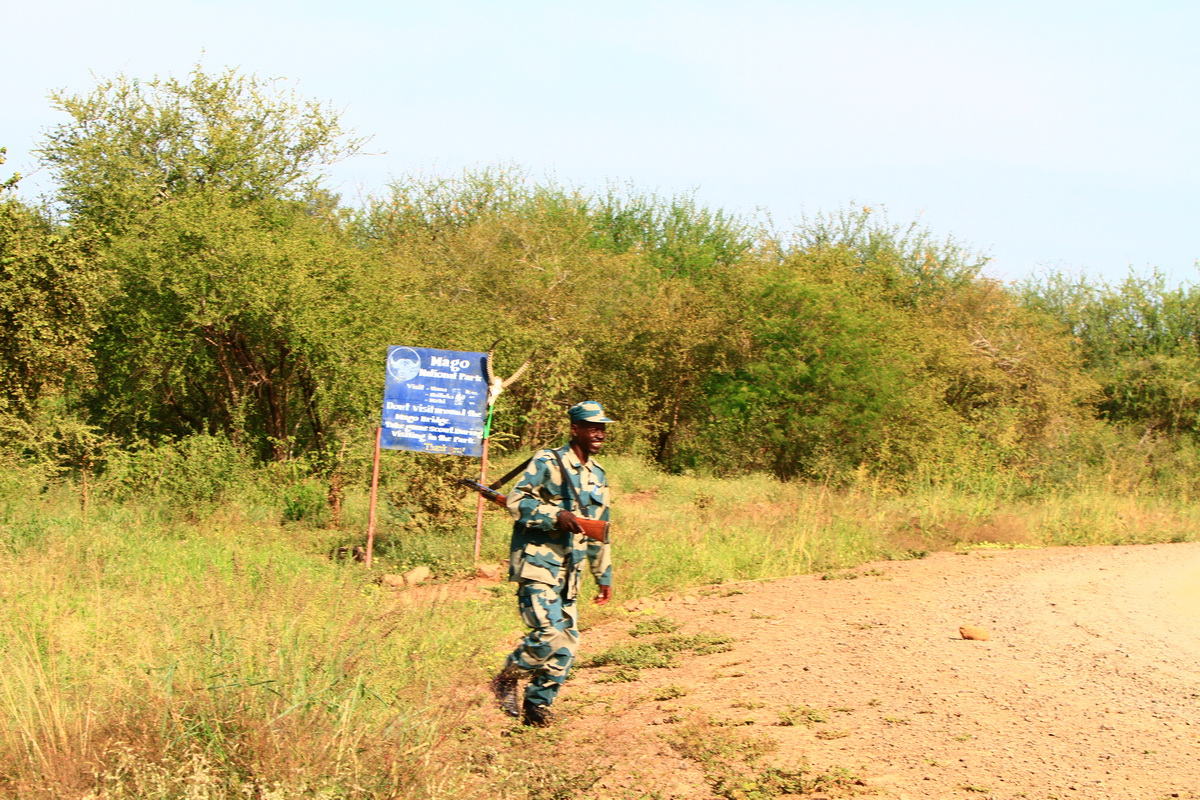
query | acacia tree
[132, 144]
[628, 299]
[823, 388]
[1139, 339]
[50, 295]
[237, 287]
[875, 347]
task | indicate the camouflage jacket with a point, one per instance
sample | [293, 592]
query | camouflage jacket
[540, 551]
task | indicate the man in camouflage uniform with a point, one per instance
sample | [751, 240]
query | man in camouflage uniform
[547, 554]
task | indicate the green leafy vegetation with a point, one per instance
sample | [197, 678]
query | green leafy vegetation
[199, 280]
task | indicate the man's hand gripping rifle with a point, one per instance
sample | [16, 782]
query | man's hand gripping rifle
[596, 529]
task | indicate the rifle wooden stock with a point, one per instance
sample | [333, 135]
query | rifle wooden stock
[596, 529]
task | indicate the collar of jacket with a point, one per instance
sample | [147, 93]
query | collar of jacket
[571, 460]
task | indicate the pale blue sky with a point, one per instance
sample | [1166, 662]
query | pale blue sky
[1050, 135]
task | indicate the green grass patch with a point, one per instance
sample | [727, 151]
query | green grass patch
[700, 644]
[670, 692]
[658, 653]
[622, 674]
[800, 715]
[732, 762]
[636, 656]
[654, 625]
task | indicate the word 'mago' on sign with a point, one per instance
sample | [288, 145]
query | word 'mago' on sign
[434, 401]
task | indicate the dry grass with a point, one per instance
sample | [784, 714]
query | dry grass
[228, 657]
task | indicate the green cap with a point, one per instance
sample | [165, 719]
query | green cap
[588, 411]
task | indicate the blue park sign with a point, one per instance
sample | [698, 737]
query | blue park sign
[434, 401]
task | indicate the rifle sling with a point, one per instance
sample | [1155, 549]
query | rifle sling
[571, 486]
[566, 476]
[517, 470]
[495, 485]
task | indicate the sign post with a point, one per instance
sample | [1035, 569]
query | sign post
[495, 387]
[374, 497]
[434, 401]
[487, 435]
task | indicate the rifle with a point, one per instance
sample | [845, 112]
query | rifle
[596, 529]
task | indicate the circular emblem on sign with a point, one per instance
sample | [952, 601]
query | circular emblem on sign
[403, 363]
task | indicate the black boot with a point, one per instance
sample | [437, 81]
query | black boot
[537, 716]
[504, 689]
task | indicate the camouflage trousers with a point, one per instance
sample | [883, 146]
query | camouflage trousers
[549, 648]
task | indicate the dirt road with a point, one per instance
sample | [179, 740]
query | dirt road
[1089, 686]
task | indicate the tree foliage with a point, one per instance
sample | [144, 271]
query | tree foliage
[131, 144]
[51, 292]
[821, 388]
[237, 285]
[201, 282]
[1139, 339]
[236, 319]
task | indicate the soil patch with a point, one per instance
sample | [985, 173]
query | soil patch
[1087, 687]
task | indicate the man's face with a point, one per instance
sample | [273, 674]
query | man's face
[588, 435]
